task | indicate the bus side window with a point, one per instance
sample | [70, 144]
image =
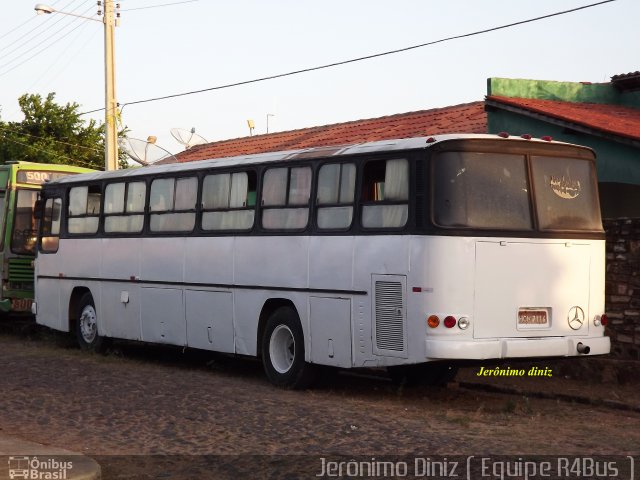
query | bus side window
[50, 230]
[228, 201]
[285, 198]
[173, 204]
[124, 207]
[336, 188]
[84, 209]
[385, 193]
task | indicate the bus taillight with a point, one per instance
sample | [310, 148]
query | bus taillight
[603, 320]
[433, 321]
[450, 322]
[463, 323]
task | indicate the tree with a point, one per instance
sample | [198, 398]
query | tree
[51, 133]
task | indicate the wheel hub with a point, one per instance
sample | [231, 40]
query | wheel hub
[88, 324]
[282, 349]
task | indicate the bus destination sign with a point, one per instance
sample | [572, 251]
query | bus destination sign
[38, 177]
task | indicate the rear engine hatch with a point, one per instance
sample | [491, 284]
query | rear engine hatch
[529, 289]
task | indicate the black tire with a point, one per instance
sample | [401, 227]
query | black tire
[424, 374]
[87, 326]
[283, 351]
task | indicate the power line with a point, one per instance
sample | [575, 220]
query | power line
[157, 6]
[5, 127]
[27, 47]
[49, 45]
[37, 27]
[17, 28]
[73, 161]
[359, 59]
[62, 66]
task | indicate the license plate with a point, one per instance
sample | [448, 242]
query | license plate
[532, 317]
[21, 304]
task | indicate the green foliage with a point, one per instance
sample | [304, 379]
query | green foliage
[51, 133]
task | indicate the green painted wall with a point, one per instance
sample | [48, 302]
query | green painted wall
[563, 91]
[631, 99]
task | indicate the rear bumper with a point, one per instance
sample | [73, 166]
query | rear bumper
[514, 348]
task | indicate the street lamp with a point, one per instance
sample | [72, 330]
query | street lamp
[269, 115]
[110, 103]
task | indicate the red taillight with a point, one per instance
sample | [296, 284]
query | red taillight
[604, 320]
[450, 322]
[503, 135]
[431, 140]
[526, 136]
[546, 138]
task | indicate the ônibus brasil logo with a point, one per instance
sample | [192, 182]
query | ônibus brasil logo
[33, 468]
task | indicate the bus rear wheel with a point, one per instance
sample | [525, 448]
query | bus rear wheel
[87, 325]
[283, 351]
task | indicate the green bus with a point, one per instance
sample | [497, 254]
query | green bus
[20, 184]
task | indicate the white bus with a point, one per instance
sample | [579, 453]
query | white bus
[407, 254]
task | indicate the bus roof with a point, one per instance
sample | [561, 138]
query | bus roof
[35, 174]
[44, 166]
[415, 143]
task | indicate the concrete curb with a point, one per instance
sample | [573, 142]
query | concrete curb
[18, 455]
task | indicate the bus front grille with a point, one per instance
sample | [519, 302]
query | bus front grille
[20, 270]
[389, 317]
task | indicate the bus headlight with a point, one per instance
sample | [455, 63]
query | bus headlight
[463, 323]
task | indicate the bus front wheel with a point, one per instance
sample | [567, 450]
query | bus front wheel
[283, 351]
[87, 325]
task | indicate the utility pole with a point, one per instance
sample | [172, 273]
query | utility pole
[110, 103]
[110, 18]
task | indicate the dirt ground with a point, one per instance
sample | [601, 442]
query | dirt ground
[215, 414]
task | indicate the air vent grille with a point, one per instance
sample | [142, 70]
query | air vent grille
[389, 312]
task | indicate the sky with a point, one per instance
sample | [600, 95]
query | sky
[166, 47]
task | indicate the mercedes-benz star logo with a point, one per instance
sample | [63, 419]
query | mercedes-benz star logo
[575, 318]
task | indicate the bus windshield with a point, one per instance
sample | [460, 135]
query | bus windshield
[493, 191]
[23, 236]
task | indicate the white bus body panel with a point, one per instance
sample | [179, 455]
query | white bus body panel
[362, 300]
[510, 275]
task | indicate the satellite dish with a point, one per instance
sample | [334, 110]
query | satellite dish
[145, 152]
[188, 138]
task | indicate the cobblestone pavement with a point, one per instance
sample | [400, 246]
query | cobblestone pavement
[142, 400]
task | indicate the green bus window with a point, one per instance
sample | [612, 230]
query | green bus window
[2, 207]
[24, 234]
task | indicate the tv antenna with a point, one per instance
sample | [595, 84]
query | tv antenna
[188, 138]
[145, 152]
